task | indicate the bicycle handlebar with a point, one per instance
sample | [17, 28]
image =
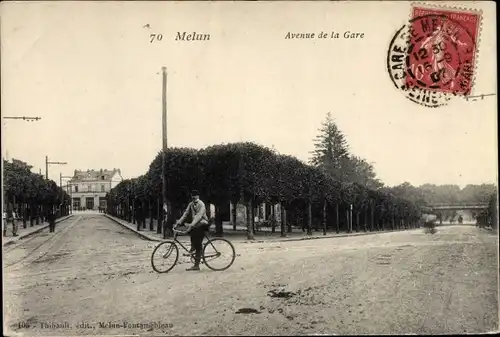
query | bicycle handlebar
[178, 231]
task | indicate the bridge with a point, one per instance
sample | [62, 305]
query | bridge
[459, 207]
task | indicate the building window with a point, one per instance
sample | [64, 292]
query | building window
[76, 188]
[103, 188]
[89, 188]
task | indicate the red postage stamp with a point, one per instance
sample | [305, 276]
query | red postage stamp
[442, 49]
[433, 57]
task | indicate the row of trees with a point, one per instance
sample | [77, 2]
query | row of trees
[321, 192]
[333, 155]
[250, 174]
[429, 194]
[30, 195]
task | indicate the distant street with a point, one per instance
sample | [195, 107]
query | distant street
[93, 275]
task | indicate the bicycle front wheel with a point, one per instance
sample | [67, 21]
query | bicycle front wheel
[165, 257]
[218, 254]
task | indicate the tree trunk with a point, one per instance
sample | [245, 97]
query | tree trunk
[25, 215]
[249, 211]
[347, 221]
[159, 213]
[365, 220]
[372, 216]
[288, 223]
[337, 217]
[282, 220]
[37, 215]
[273, 219]
[32, 214]
[134, 215]
[324, 216]
[252, 212]
[219, 230]
[233, 215]
[309, 218]
[150, 214]
[357, 222]
[143, 214]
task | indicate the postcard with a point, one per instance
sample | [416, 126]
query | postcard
[215, 168]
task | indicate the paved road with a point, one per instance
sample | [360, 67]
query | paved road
[95, 275]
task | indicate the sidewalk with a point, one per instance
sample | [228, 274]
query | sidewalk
[259, 237]
[28, 231]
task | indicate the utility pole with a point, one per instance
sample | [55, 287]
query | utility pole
[47, 163]
[164, 147]
[309, 206]
[61, 177]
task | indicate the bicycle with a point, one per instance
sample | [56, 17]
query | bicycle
[210, 253]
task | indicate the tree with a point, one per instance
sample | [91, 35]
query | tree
[17, 176]
[22, 188]
[331, 151]
[409, 192]
[363, 173]
[441, 194]
[477, 193]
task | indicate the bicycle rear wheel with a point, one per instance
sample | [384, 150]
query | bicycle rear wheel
[218, 254]
[165, 257]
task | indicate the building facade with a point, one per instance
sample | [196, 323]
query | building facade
[88, 189]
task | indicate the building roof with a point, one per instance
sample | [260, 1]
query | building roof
[93, 175]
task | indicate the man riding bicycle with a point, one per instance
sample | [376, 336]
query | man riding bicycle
[196, 228]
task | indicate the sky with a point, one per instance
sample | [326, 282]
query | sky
[92, 74]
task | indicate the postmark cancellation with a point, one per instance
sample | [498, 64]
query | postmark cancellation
[433, 57]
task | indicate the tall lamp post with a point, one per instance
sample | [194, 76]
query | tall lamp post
[47, 163]
[164, 147]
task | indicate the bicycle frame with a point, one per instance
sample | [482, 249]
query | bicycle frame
[177, 233]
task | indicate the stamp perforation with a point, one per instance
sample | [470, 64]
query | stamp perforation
[454, 7]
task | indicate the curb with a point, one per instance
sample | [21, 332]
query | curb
[149, 238]
[322, 237]
[38, 230]
[328, 236]
[142, 235]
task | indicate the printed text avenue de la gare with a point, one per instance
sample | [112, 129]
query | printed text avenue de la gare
[325, 35]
